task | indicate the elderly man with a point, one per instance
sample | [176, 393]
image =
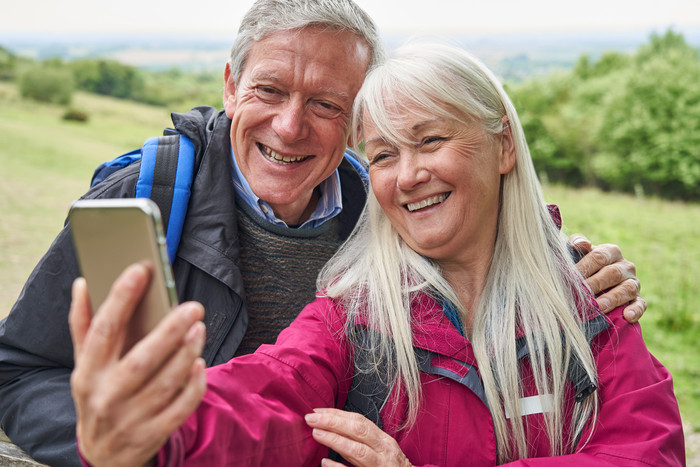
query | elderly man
[273, 198]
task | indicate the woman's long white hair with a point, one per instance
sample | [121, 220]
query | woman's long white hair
[532, 286]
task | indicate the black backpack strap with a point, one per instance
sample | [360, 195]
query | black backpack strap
[164, 174]
[367, 393]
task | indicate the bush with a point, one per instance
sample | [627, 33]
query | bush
[47, 84]
[75, 115]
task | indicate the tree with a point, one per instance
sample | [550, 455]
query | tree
[47, 82]
[623, 122]
[108, 78]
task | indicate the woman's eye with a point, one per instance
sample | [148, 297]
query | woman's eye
[432, 140]
[382, 156]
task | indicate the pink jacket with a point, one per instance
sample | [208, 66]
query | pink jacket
[253, 411]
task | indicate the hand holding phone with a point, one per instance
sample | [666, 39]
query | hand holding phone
[111, 234]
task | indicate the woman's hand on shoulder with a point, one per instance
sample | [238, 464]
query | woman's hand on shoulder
[357, 439]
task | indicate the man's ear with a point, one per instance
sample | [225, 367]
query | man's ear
[352, 141]
[229, 91]
[507, 156]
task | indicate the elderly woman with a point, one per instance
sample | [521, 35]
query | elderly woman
[454, 313]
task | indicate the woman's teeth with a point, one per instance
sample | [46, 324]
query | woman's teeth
[427, 202]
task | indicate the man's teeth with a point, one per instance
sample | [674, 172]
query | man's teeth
[427, 202]
[272, 155]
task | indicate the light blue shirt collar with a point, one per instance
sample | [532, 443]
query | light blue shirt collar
[329, 205]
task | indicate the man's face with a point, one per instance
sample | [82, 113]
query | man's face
[290, 111]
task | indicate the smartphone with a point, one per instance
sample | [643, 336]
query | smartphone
[111, 234]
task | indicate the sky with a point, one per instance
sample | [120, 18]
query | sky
[221, 17]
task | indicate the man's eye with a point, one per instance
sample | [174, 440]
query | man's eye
[325, 109]
[268, 93]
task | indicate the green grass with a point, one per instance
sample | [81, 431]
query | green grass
[661, 238]
[46, 163]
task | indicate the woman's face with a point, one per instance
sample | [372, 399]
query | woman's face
[441, 189]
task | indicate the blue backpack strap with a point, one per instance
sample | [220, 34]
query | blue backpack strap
[359, 164]
[167, 171]
[108, 168]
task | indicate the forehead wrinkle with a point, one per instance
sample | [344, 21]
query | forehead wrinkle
[427, 122]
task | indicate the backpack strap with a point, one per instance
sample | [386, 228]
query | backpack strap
[166, 174]
[359, 164]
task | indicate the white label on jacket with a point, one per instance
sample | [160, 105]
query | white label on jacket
[535, 404]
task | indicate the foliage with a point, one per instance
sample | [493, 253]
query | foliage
[8, 64]
[48, 82]
[76, 115]
[625, 122]
[107, 77]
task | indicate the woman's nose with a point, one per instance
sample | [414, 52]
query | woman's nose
[411, 172]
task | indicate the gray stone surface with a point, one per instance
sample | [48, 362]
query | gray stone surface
[12, 456]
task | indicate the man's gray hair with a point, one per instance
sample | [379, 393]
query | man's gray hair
[266, 17]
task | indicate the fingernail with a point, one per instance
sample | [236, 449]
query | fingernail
[604, 304]
[312, 417]
[321, 410]
[195, 336]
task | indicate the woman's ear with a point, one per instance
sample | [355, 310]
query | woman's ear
[229, 92]
[507, 156]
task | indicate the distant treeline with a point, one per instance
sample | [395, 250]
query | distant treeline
[623, 122]
[54, 80]
[626, 122]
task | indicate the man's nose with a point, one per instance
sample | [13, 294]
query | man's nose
[290, 123]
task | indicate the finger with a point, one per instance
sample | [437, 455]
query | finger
[330, 463]
[348, 424]
[598, 258]
[623, 293]
[155, 350]
[165, 386]
[357, 453]
[157, 429]
[104, 340]
[79, 316]
[129, 443]
[635, 310]
[612, 275]
[580, 243]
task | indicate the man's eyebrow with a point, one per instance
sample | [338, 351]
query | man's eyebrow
[264, 75]
[335, 93]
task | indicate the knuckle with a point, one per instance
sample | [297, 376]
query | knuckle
[78, 384]
[600, 256]
[361, 428]
[617, 273]
[104, 328]
[135, 366]
[99, 405]
[630, 288]
[360, 451]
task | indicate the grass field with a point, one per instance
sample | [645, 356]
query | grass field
[46, 163]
